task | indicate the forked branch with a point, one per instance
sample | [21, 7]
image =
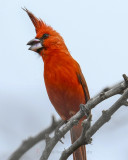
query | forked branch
[88, 130]
[85, 109]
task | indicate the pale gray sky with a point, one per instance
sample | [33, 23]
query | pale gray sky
[96, 33]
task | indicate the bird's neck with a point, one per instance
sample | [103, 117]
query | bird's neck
[54, 52]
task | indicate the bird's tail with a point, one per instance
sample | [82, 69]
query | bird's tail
[80, 153]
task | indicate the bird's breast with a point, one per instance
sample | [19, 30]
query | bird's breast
[64, 90]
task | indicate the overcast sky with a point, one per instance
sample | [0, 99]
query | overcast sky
[96, 34]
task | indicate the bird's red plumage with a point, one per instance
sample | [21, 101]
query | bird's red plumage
[63, 87]
[64, 81]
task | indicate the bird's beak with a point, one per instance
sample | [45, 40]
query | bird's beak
[35, 44]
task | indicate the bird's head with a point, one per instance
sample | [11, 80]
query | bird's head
[47, 39]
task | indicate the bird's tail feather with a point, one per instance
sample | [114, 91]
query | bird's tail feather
[80, 153]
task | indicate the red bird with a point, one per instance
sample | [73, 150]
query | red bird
[64, 81]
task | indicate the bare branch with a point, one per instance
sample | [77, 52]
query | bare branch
[125, 103]
[85, 109]
[30, 142]
[87, 134]
[87, 130]
[125, 78]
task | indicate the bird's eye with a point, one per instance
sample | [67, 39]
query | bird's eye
[45, 36]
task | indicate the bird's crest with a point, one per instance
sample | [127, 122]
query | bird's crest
[38, 23]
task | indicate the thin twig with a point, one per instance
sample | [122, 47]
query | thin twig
[30, 142]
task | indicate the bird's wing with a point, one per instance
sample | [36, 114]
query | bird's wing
[83, 83]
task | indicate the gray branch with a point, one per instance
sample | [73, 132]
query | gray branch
[30, 142]
[85, 137]
[88, 131]
[85, 110]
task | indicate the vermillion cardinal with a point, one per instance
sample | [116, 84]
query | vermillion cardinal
[64, 81]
